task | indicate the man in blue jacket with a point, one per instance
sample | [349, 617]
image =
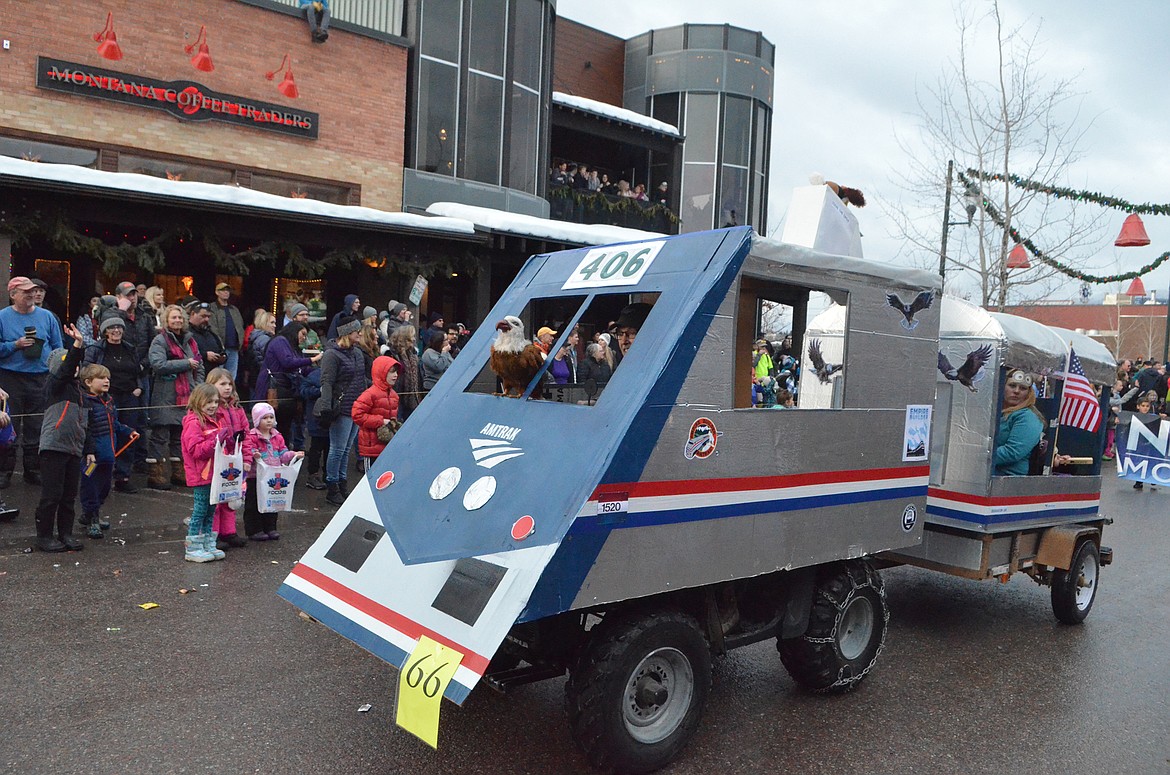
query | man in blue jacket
[28, 334]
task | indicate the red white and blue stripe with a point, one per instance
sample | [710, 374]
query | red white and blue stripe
[966, 509]
[672, 502]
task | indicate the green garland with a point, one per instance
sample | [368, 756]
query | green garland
[595, 200]
[993, 212]
[59, 232]
[1057, 192]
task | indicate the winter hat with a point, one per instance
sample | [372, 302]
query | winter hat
[369, 312]
[383, 315]
[633, 315]
[348, 325]
[111, 321]
[434, 316]
[396, 308]
[260, 411]
[296, 309]
[57, 360]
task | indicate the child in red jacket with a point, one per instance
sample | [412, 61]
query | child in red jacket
[377, 409]
[201, 432]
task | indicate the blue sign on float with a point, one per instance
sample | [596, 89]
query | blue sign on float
[1142, 449]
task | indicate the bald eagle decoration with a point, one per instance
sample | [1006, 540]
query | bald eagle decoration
[514, 359]
[971, 372]
[824, 371]
[921, 301]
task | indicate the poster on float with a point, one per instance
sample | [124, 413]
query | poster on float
[1141, 443]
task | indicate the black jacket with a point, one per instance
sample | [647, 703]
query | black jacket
[65, 425]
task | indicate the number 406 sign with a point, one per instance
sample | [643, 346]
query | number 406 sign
[617, 265]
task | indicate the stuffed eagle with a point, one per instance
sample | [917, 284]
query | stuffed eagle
[514, 359]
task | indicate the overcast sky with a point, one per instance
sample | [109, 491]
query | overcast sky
[848, 73]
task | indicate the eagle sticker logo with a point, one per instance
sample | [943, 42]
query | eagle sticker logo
[922, 301]
[701, 440]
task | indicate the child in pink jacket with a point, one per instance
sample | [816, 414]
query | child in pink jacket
[265, 443]
[200, 434]
[233, 417]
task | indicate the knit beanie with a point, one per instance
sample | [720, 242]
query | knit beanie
[111, 321]
[369, 312]
[396, 308]
[296, 309]
[260, 411]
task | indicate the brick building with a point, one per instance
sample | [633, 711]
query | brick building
[1128, 330]
[408, 104]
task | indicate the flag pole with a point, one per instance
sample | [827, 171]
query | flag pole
[1059, 409]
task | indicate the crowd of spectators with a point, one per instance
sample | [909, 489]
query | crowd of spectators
[583, 194]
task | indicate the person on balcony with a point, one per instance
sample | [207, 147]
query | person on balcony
[317, 14]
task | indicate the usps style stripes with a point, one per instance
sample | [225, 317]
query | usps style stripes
[966, 509]
[376, 628]
[664, 503]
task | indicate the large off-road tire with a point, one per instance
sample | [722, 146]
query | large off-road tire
[846, 629]
[1075, 589]
[636, 694]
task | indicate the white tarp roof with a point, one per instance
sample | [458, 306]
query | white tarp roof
[605, 110]
[540, 228]
[244, 198]
[785, 253]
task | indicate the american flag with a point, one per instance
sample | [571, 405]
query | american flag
[1080, 407]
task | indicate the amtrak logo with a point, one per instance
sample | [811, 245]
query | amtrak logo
[489, 453]
[702, 439]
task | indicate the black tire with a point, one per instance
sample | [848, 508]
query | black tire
[846, 629]
[1075, 589]
[636, 694]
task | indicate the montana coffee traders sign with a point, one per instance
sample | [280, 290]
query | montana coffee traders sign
[183, 99]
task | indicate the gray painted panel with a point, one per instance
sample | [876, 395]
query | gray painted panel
[421, 189]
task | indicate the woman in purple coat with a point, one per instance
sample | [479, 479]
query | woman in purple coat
[278, 380]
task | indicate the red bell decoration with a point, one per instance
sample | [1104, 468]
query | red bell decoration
[1018, 258]
[109, 48]
[1133, 233]
[202, 60]
[1136, 288]
[288, 86]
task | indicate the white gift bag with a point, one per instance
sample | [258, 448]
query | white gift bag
[274, 485]
[227, 474]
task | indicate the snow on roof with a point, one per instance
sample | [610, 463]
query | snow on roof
[605, 110]
[540, 228]
[221, 194]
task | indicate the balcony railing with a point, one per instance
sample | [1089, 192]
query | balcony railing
[577, 206]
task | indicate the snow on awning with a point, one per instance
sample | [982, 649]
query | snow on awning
[540, 228]
[614, 113]
[218, 196]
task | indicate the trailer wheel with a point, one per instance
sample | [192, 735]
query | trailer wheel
[1075, 589]
[637, 691]
[846, 630]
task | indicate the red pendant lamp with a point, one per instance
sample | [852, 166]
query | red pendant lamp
[1018, 258]
[1136, 288]
[202, 59]
[288, 86]
[109, 48]
[1133, 233]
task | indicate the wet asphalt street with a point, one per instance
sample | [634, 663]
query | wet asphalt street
[975, 677]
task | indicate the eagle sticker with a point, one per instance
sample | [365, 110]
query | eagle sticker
[701, 440]
[920, 302]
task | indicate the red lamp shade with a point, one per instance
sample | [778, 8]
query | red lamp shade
[1136, 288]
[288, 86]
[1018, 258]
[109, 48]
[202, 59]
[1133, 233]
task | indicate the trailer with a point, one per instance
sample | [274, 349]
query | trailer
[627, 534]
[981, 526]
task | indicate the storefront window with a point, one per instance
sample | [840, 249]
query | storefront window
[299, 189]
[485, 123]
[489, 20]
[49, 153]
[172, 169]
[441, 23]
[438, 104]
